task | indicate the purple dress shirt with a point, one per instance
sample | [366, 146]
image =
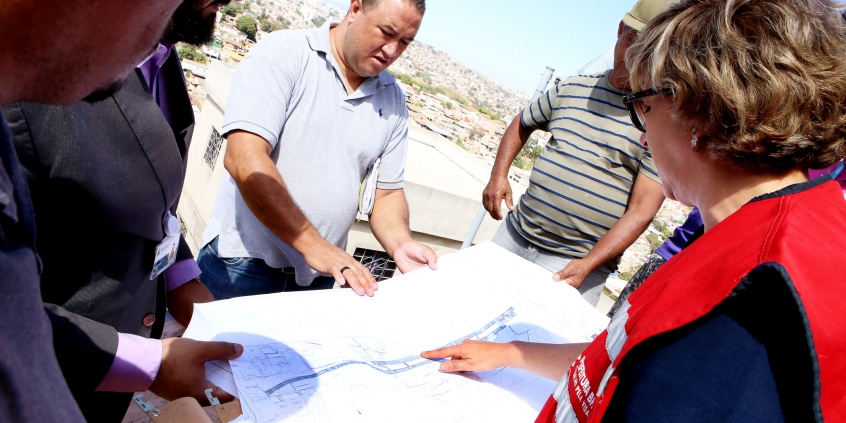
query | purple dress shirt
[185, 270]
[841, 179]
[150, 69]
[681, 236]
[138, 359]
[136, 364]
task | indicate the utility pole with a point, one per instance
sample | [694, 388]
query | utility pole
[480, 215]
[544, 82]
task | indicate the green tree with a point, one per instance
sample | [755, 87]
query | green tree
[423, 81]
[248, 26]
[318, 21]
[485, 111]
[189, 52]
[519, 162]
[532, 150]
[406, 80]
[454, 96]
[655, 241]
[185, 52]
[461, 144]
[528, 146]
[284, 23]
[231, 9]
[662, 227]
[270, 26]
[627, 275]
[536, 152]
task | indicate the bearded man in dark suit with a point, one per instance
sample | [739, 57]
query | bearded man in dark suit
[105, 179]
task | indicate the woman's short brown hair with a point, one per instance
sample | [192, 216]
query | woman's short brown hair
[762, 81]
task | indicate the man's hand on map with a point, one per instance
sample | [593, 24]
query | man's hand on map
[474, 356]
[330, 260]
[182, 372]
[412, 255]
[574, 274]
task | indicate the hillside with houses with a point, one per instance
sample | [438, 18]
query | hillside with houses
[442, 96]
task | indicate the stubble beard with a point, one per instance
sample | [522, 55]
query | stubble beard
[190, 27]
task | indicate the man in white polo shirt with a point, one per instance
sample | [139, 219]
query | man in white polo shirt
[308, 112]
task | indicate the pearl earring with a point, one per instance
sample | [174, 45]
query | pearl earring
[694, 141]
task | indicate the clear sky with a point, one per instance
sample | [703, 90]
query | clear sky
[512, 41]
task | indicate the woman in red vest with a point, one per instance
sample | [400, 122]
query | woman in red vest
[737, 98]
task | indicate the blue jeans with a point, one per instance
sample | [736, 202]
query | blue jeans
[243, 276]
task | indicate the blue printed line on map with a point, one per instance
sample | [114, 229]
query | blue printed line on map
[499, 322]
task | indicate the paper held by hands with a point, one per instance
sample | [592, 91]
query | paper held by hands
[331, 355]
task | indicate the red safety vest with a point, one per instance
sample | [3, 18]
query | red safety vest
[799, 233]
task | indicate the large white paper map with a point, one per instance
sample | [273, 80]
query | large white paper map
[332, 356]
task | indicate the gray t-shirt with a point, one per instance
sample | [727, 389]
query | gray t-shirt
[289, 91]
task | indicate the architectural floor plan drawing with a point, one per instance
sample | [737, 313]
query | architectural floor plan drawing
[315, 381]
[331, 356]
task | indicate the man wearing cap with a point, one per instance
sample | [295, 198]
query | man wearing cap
[594, 189]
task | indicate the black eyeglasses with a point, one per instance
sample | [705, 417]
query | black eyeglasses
[638, 117]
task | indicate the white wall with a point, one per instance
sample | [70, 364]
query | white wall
[201, 183]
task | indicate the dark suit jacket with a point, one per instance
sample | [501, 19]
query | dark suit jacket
[31, 385]
[102, 177]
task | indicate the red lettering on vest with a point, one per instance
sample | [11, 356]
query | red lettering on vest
[583, 381]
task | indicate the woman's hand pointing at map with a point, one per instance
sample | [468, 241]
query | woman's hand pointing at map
[474, 356]
[548, 360]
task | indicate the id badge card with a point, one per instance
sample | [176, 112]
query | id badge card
[165, 255]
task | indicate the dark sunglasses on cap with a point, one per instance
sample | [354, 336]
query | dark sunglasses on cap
[638, 116]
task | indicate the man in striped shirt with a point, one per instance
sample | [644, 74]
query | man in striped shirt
[594, 189]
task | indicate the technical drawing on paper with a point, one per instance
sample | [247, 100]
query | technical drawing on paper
[367, 379]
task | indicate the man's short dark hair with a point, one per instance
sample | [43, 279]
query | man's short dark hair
[368, 5]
